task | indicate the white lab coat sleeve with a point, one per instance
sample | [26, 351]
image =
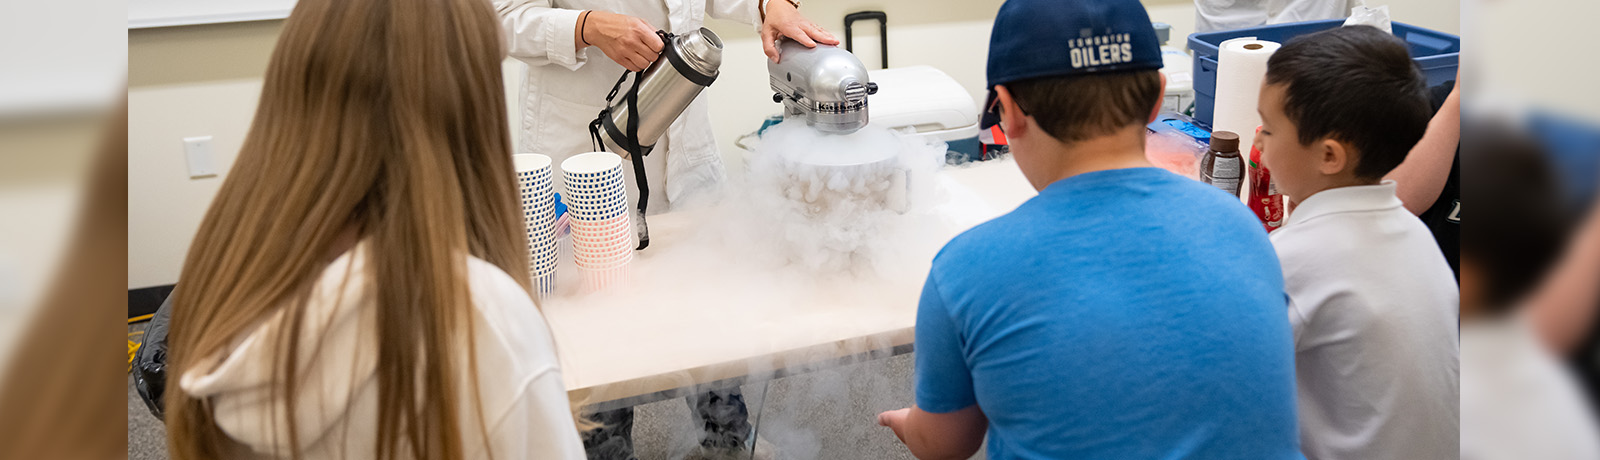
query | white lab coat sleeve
[538, 34]
[743, 11]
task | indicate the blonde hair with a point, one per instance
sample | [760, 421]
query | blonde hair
[386, 116]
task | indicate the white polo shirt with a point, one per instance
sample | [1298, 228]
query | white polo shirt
[1375, 312]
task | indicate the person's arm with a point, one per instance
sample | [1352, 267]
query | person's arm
[524, 404]
[929, 436]
[1420, 179]
[953, 425]
[540, 423]
[540, 35]
[1562, 307]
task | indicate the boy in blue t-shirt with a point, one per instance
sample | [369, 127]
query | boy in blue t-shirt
[1125, 312]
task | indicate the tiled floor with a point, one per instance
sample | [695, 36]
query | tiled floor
[829, 414]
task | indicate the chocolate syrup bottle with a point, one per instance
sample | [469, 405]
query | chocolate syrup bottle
[1222, 166]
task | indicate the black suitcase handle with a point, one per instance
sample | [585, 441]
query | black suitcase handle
[883, 31]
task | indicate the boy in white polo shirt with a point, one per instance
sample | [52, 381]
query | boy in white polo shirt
[1372, 301]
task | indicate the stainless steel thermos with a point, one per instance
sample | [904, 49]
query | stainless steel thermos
[688, 64]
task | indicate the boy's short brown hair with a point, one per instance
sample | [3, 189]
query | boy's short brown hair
[1357, 85]
[1078, 108]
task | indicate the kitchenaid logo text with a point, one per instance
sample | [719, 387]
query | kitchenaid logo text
[1100, 50]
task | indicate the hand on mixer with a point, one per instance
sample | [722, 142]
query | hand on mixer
[782, 18]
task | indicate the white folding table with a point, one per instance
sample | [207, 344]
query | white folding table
[693, 320]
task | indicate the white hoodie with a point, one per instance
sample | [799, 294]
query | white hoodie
[525, 406]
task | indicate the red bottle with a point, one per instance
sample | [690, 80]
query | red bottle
[1264, 197]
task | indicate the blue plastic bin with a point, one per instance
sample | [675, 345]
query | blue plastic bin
[1438, 54]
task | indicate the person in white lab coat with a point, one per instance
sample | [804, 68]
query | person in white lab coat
[575, 51]
[1214, 15]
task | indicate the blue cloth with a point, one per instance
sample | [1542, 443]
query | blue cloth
[1122, 314]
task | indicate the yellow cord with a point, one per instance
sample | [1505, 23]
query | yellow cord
[140, 318]
[133, 348]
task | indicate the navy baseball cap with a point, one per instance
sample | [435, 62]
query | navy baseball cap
[1055, 38]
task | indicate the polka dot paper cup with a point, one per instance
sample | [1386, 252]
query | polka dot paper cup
[536, 191]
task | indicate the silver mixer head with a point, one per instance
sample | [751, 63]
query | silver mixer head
[827, 85]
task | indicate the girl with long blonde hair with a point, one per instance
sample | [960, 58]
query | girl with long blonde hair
[359, 286]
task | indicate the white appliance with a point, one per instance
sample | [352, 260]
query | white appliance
[926, 102]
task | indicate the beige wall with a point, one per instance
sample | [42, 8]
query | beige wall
[1440, 15]
[204, 80]
[182, 82]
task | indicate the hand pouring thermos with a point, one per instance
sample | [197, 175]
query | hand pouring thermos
[631, 124]
[687, 65]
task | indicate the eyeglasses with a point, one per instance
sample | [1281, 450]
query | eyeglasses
[991, 115]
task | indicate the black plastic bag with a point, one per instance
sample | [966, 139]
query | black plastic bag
[150, 365]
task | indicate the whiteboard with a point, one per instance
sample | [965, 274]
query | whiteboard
[164, 13]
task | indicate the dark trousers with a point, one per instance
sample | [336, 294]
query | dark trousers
[722, 414]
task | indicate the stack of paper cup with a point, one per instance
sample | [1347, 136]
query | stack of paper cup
[536, 190]
[597, 203]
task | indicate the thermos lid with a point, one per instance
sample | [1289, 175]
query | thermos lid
[702, 50]
[1224, 141]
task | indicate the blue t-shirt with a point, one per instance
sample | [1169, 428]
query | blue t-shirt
[1122, 314]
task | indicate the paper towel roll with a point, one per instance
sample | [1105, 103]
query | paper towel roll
[1241, 66]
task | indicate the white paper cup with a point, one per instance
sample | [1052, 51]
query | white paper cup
[591, 164]
[579, 214]
[603, 264]
[601, 226]
[604, 279]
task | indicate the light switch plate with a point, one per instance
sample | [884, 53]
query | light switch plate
[198, 152]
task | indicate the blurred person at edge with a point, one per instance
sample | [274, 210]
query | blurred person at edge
[358, 287]
[563, 42]
[61, 390]
[1528, 298]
